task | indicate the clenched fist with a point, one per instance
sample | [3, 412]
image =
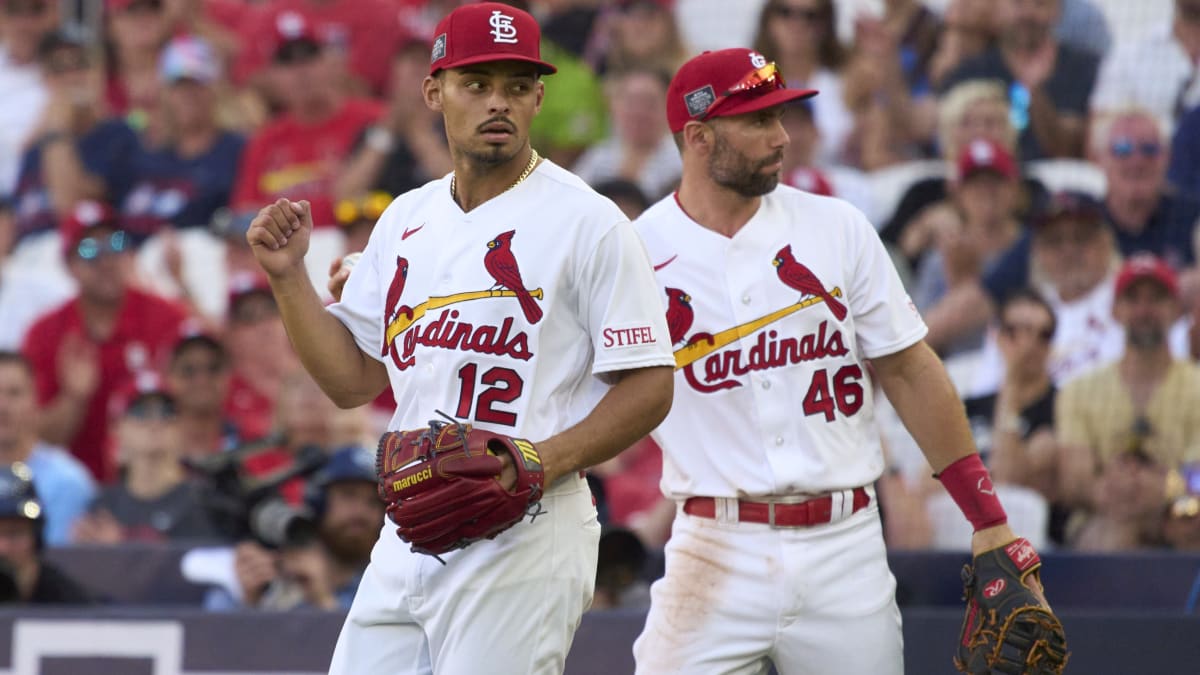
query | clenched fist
[279, 236]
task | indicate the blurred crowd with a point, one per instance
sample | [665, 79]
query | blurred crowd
[1032, 169]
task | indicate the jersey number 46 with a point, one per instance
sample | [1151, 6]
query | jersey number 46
[847, 395]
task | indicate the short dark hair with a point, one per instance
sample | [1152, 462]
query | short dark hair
[623, 189]
[203, 341]
[9, 358]
[1030, 296]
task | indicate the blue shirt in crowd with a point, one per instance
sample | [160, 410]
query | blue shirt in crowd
[180, 191]
[106, 151]
[65, 488]
[1184, 172]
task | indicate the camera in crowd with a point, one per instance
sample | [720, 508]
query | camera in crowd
[245, 504]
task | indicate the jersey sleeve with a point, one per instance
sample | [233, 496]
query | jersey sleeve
[885, 318]
[361, 307]
[621, 305]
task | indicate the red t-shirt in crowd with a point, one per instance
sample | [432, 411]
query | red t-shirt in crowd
[268, 462]
[250, 410]
[366, 31]
[634, 488]
[147, 327]
[297, 161]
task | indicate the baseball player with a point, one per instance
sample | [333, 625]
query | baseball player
[507, 294]
[782, 306]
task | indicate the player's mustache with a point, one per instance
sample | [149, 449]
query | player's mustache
[777, 157]
[509, 126]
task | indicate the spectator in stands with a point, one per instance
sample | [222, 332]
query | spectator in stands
[800, 168]
[24, 577]
[23, 23]
[886, 88]
[974, 227]
[1184, 170]
[298, 155]
[153, 501]
[643, 34]
[1049, 83]
[1083, 26]
[1131, 147]
[197, 378]
[24, 293]
[627, 196]
[406, 148]
[1071, 260]
[574, 115]
[91, 347]
[77, 152]
[1131, 420]
[320, 571]
[972, 110]
[260, 353]
[968, 30]
[632, 495]
[619, 570]
[357, 217]
[362, 33]
[640, 148]
[183, 181]
[1014, 426]
[137, 30]
[1158, 71]
[801, 36]
[1181, 524]
[59, 478]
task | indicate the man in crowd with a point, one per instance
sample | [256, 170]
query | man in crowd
[197, 377]
[91, 347]
[24, 576]
[1049, 83]
[1123, 425]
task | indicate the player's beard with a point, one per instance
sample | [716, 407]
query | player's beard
[732, 169]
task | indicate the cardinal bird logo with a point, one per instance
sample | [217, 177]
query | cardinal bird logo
[501, 264]
[797, 276]
[679, 314]
[395, 290]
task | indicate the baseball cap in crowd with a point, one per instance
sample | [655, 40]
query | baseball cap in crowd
[188, 57]
[295, 38]
[726, 82]
[145, 397]
[985, 155]
[91, 230]
[487, 31]
[243, 287]
[1147, 267]
[1071, 204]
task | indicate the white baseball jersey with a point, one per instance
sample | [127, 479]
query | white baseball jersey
[771, 328]
[505, 315]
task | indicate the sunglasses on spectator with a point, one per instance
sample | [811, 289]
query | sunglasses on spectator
[192, 370]
[26, 7]
[91, 248]
[1044, 335]
[1125, 147]
[809, 15]
[369, 208]
[768, 76]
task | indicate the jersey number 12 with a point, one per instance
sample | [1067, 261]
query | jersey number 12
[504, 385]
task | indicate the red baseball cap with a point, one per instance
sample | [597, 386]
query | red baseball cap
[84, 217]
[982, 155]
[1147, 266]
[726, 82]
[487, 31]
[296, 38]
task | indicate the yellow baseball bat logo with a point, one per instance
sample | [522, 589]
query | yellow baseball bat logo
[402, 323]
[689, 354]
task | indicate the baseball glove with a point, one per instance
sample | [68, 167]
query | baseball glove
[1009, 628]
[442, 489]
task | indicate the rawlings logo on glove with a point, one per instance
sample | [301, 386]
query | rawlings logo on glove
[442, 489]
[1009, 627]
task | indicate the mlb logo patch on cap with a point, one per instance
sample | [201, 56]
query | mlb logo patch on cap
[698, 101]
[439, 48]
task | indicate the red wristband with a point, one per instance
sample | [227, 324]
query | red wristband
[970, 486]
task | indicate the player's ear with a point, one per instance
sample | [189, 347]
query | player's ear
[698, 137]
[541, 94]
[432, 88]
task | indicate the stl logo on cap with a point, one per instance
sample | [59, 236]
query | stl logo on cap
[503, 29]
[758, 60]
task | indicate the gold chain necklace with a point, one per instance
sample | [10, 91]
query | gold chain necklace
[533, 160]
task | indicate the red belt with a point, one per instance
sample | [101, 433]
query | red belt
[778, 514]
